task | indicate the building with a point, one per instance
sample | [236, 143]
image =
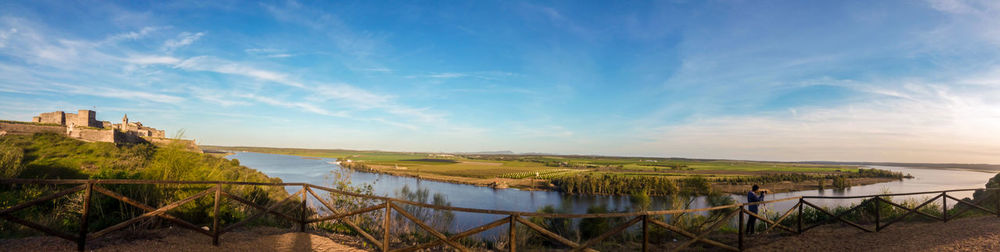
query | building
[137, 129]
[84, 126]
[85, 118]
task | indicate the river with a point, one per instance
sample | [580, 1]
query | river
[318, 171]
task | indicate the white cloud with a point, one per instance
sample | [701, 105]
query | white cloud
[4, 35]
[913, 122]
[213, 64]
[117, 93]
[969, 21]
[152, 60]
[132, 35]
[299, 105]
[220, 97]
[279, 55]
[484, 75]
[362, 99]
[268, 52]
[183, 39]
[349, 95]
[446, 75]
[373, 69]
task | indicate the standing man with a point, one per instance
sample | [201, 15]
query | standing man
[756, 195]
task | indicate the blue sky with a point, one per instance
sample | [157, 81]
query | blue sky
[915, 81]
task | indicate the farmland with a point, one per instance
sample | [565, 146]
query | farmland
[566, 173]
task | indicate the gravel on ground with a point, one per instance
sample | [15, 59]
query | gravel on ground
[964, 234]
[177, 239]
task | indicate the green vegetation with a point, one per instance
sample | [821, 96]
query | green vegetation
[582, 229]
[586, 174]
[32, 123]
[55, 156]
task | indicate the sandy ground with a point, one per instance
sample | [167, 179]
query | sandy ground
[965, 234]
[175, 239]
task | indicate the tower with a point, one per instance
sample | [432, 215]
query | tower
[86, 118]
[125, 123]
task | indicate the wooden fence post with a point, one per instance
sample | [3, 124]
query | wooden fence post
[741, 229]
[801, 202]
[645, 233]
[944, 205]
[512, 239]
[302, 215]
[878, 212]
[385, 233]
[215, 216]
[81, 240]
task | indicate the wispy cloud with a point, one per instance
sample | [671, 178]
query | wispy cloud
[299, 105]
[152, 60]
[117, 93]
[4, 35]
[183, 39]
[483, 75]
[279, 55]
[920, 122]
[365, 47]
[132, 35]
[268, 52]
[213, 64]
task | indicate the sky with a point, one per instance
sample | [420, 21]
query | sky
[903, 81]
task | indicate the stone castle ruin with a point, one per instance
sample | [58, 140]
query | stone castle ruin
[84, 126]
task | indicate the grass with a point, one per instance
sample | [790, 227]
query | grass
[57, 156]
[31, 123]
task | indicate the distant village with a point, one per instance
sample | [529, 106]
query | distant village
[84, 126]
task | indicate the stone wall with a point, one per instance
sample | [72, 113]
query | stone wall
[93, 135]
[189, 144]
[88, 118]
[72, 120]
[57, 117]
[26, 128]
[128, 137]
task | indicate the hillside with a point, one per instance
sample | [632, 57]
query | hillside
[55, 156]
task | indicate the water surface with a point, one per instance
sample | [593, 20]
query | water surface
[318, 171]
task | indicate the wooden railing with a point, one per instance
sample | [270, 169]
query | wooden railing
[390, 204]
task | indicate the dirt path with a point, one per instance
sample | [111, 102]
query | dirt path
[174, 239]
[965, 234]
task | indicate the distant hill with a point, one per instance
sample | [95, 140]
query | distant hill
[506, 152]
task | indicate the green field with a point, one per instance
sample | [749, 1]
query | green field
[524, 166]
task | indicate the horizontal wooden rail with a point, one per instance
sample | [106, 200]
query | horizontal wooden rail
[137, 182]
[392, 206]
[899, 194]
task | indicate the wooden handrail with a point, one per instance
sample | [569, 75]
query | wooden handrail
[898, 194]
[393, 205]
[451, 208]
